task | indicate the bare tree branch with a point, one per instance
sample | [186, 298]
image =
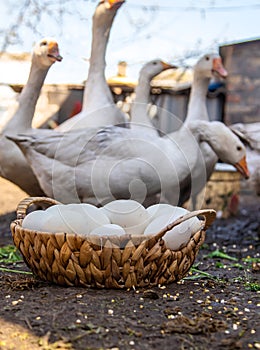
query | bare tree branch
[28, 14]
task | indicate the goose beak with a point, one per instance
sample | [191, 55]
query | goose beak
[217, 67]
[111, 4]
[241, 167]
[53, 51]
[168, 66]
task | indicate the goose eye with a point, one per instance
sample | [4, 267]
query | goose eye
[239, 148]
[206, 58]
[154, 63]
[44, 43]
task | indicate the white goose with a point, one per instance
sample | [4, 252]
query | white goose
[208, 66]
[122, 163]
[13, 165]
[98, 108]
[139, 107]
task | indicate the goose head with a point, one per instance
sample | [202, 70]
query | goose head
[226, 145]
[210, 65]
[154, 67]
[46, 52]
[105, 11]
[231, 150]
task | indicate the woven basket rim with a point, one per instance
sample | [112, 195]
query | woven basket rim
[209, 217]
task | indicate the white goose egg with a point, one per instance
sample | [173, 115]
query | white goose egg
[60, 218]
[55, 208]
[92, 214]
[108, 230]
[33, 220]
[162, 208]
[129, 214]
[179, 234]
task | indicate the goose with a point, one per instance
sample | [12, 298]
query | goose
[250, 135]
[98, 107]
[208, 66]
[13, 165]
[116, 162]
[139, 107]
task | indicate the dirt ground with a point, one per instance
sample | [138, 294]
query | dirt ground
[215, 307]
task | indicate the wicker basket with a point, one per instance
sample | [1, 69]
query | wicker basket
[117, 262]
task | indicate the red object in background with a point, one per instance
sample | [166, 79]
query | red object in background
[234, 204]
[76, 109]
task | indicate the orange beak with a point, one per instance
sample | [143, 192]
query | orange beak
[241, 167]
[168, 66]
[53, 51]
[114, 3]
[219, 68]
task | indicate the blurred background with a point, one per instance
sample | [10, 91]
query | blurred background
[142, 30]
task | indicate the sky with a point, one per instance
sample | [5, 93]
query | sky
[142, 30]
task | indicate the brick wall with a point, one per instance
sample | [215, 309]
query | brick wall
[242, 60]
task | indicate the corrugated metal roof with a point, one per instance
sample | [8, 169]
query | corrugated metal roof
[122, 81]
[174, 79]
[15, 56]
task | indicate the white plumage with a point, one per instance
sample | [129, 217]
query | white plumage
[98, 165]
[98, 108]
[13, 165]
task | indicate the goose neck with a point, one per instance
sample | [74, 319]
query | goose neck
[23, 116]
[97, 62]
[197, 107]
[142, 91]
[139, 106]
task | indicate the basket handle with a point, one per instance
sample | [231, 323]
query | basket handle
[209, 217]
[26, 202]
